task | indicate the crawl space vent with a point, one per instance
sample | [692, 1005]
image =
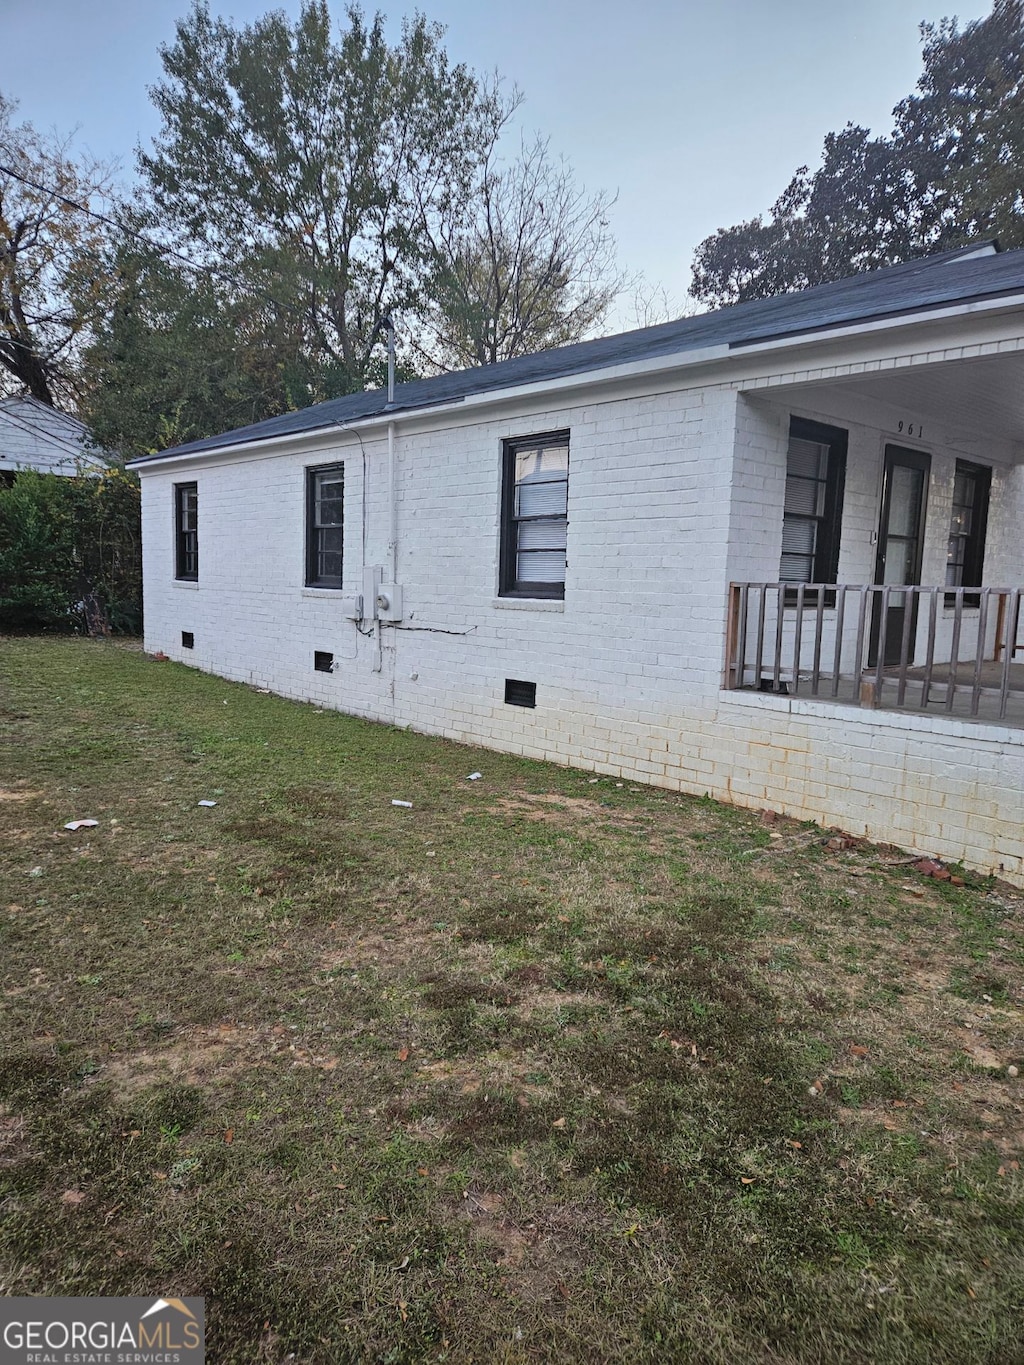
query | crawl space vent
[518, 693]
[188, 640]
[322, 661]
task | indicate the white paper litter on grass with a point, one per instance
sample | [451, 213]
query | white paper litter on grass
[207, 803]
[81, 824]
[407, 804]
[474, 777]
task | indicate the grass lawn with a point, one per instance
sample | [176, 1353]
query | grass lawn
[545, 1068]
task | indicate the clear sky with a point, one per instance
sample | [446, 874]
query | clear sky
[695, 113]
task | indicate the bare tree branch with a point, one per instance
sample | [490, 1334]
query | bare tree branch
[51, 279]
[524, 262]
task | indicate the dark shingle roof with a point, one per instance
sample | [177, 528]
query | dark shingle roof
[912, 287]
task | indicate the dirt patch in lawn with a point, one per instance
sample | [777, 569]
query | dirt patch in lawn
[537, 1257]
[554, 809]
[200, 1056]
[398, 947]
[549, 1001]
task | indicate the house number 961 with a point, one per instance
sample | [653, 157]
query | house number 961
[910, 429]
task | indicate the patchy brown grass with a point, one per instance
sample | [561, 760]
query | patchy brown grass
[546, 1068]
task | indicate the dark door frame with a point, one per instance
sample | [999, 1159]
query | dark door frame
[912, 459]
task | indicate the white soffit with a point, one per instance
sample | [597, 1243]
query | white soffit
[982, 396]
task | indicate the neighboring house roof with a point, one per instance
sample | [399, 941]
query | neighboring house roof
[977, 271]
[36, 436]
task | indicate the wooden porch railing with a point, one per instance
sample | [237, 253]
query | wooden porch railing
[951, 651]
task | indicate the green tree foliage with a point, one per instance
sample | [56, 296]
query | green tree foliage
[70, 553]
[952, 170]
[854, 213]
[961, 134]
[306, 184]
[51, 286]
[310, 165]
[180, 355]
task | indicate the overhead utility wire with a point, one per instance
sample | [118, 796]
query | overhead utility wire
[119, 227]
[160, 247]
[212, 270]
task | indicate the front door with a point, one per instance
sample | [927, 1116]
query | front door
[900, 547]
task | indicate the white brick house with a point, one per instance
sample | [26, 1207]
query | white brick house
[849, 435]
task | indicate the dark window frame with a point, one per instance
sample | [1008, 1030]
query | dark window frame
[830, 523]
[186, 539]
[509, 585]
[313, 579]
[973, 564]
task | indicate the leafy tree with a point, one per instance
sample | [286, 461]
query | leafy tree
[51, 287]
[310, 165]
[855, 212]
[527, 262]
[180, 356]
[304, 186]
[952, 169]
[961, 133]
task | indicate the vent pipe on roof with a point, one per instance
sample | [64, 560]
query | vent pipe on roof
[389, 323]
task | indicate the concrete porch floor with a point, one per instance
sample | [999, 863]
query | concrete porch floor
[914, 701]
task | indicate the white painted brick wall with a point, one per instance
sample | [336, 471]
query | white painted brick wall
[671, 495]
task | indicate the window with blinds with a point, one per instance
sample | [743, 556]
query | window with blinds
[534, 516]
[812, 515]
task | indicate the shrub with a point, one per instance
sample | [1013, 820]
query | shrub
[70, 553]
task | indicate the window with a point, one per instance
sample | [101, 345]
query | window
[815, 474]
[325, 523]
[965, 558]
[534, 516]
[186, 525]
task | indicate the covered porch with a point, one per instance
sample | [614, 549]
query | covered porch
[886, 568]
[867, 654]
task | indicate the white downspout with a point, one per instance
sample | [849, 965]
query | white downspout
[391, 568]
[392, 506]
[389, 322]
